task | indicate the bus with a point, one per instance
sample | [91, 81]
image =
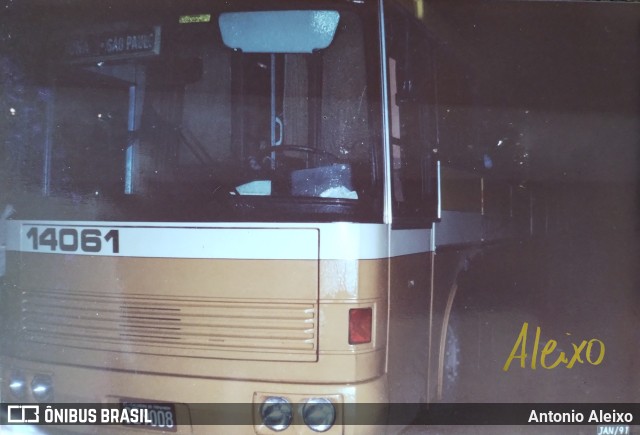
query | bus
[234, 202]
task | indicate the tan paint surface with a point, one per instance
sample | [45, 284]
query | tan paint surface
[238, 279]
[246, 288]
[233, 319]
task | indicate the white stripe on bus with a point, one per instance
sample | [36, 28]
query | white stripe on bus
[340, 241]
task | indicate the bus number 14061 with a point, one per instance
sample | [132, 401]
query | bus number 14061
[71, 240]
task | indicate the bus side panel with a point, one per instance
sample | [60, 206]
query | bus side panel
[409, 327]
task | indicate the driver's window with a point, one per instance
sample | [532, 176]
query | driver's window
[298, 98]
[345, 111]
[302, 120]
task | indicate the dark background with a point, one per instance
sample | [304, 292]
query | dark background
[564, 75]
[560, 80]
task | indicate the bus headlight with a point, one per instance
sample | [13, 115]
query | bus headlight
[276, 413]
[18, 385]
[42, 388]
[319, 414]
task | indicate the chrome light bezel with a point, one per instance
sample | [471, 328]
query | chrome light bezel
[42, 387]
[276, 413]
[319, 414]
[17, 384]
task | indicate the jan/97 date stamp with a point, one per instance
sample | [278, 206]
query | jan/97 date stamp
[613, 430]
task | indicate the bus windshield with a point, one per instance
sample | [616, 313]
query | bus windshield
[176, 115]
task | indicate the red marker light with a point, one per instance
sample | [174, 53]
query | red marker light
[360, 321]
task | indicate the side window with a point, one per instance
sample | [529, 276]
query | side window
[412, 104]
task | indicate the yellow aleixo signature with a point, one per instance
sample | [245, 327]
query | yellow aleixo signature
[549, 348]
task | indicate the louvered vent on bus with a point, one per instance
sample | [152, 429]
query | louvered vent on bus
[181, 326]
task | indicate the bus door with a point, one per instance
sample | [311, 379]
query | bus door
[414, 192]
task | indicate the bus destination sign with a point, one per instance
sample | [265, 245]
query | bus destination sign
[113, 45]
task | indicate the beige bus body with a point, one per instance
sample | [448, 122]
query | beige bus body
[188, 313]
[151, 329]
[241, 346]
